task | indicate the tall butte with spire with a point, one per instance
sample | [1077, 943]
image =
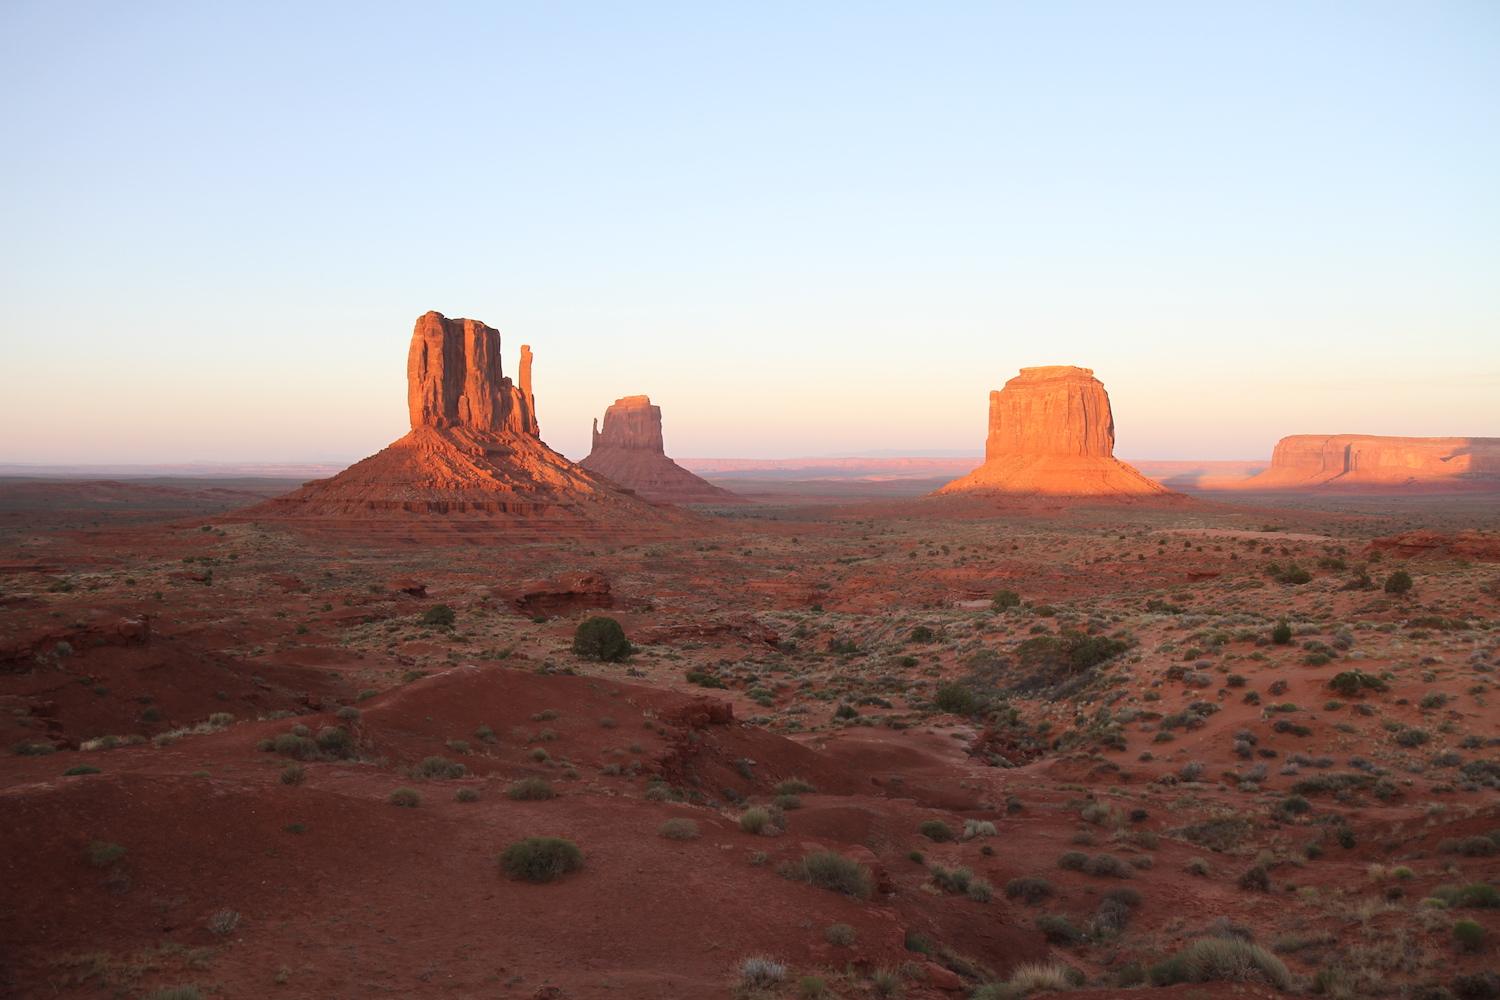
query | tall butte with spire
[474, 453]
[629, 450]
[1052, 434]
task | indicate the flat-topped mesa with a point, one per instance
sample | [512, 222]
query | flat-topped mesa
[1052, 434]
[1372, 463]
[473, 449]
[629, 450]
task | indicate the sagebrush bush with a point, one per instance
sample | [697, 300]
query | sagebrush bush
[1058, 928]
[439, 767]
[840, 934]
[787, 802]
[1107, 866]
[794, 786]
[936, 831]
[1073, 861]
[293, 774]
[1469, 934]
[466, 795]
[530, 790]
[833, 871]
[756, 820]
[540, 859]
[1219, 958]
[408, 798]
[678, 828]
[1029, 888]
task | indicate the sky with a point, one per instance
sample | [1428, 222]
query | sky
[803, 228]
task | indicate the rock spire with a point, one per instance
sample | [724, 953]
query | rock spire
[629, 450]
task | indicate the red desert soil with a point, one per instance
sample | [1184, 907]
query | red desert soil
[980, 744]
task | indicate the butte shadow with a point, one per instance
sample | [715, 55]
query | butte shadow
[474, 463]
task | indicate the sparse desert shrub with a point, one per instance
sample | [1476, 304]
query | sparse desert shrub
[102, 854]
[812, 986]
[921, 634]
[458, 746]
[349, 713]
[1058, 928]
[408, 798]
[1191, 771]
[439, 767]
[1353, 683]
[978, 828]
[530, 790]
[937, 831]
[1109, 918]
[224, 922]
[1398, 583]
[607, 723]
[1255, 878]
[1295, 804]
[980, 891]
[787, 802]
[293, 774]
[1469, 934]
[78, 769]
[956, 699]
[540, 859]
[1029, 888]
[1107, 866]
[1073, 861]
[1028, 979]
[1197, 866]
[840, 934]
[1413, 737]
[793, 786]
[1126, 896]
[833, 871]
[485, 734]
[887, 982]
[366, 694]
[1145, 862]
[601, 638]
[1481, 985]
[1217, 958]
[188, 991]
[466, 795]
[756, 820]
[678, 828]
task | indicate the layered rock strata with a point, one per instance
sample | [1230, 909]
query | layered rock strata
[474, 449]
[1052, 433]
[629, 450]
[1370, 463]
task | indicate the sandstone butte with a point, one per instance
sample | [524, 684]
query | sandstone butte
[474, 450]
[1052, 434]
[1368, 463]
[630, 452]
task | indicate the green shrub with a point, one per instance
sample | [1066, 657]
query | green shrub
[1126, 896]
[103, 854]
[1413, 737]
[1005, 599]
[1220, 958]
[794, 786]
[601, 638]
[366, 694]
[1029, 888]
[835, 872]
[439, 767]
[1295, 804]
[1058, 928]
[1073, 861]
[678, 828]
[840, 934]
[530, 790]
[466, 795]
[1107, 866]
[756, 820]
[916, 856]
[293, 774]
[440, 615]
[1353, 683]
[408, 798]
[787, 802]
[77, 769]
[936, 831]
[921, 634]
[1469, 934]
[540, 859]
[1281, 633]
[1398, 583]
[812, 986]
[955, 699]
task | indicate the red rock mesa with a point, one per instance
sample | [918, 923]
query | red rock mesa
[1052, 434]
[474, 449]
[1362, 462]
[629, 451]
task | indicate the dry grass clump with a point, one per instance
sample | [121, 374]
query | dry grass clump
[531, 790]
[1221, 958]
[678, 828]
[832, 871]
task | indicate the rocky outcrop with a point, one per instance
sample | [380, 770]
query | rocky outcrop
[473, 454]
[569, 592]
[1362, 463]
[629, 450]
[1052, 434]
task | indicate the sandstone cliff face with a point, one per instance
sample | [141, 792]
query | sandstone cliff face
[629, 450]
[1052, 434]
[1361, 462]
[473, 450]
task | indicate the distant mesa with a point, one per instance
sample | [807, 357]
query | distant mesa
[629, 451]
[474, 451]
[1365, 463]
[1052, 434]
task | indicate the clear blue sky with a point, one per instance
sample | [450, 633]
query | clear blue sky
[802, 228]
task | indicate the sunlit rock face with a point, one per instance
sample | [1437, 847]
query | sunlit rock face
[1052, 433]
